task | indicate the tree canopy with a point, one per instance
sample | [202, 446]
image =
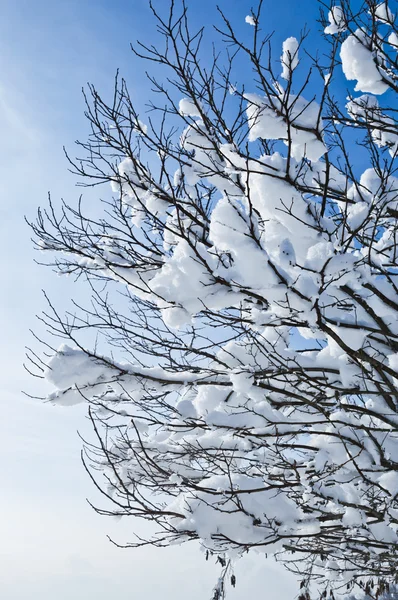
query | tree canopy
[244, 286]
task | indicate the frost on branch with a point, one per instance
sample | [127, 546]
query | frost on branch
[244, 390]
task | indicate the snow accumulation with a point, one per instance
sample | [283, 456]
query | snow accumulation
[337, 21]
[188, 108]
[383, 13]
[267, 119]
[383, 128]
[250, 20]
[360, 63]
[393, 40]
[289, 58]
[262, 438]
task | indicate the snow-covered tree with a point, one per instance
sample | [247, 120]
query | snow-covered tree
[386, 592]
[243, 387]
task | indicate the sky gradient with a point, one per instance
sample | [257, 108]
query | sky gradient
[52, 544]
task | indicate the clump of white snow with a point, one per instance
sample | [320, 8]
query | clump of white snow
[393, 40]
[268, 118]
[289, 58]
[337, 21]
[383, 13]
[359, 64]
[189, 108]
[250, 20]
[383, 127]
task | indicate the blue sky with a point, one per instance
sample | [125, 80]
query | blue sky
[52, 544]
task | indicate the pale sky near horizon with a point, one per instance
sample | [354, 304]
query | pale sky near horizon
[52, 545]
